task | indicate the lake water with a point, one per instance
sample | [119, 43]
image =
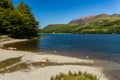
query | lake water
[79, 45]
[103, 48]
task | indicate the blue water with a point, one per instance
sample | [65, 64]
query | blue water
[105, 46]
[104, 49]
[77, 42]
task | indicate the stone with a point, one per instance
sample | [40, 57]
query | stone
[45, 60]
[11, 48]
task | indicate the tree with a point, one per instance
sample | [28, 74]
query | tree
[29, 27]
[6, 4]
[6, 7]
[10, 5]
[19, 22]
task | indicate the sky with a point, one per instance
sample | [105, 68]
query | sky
[63, 11]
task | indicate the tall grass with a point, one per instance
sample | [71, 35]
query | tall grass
[74, 76]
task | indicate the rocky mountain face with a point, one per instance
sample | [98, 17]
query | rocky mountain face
[83, 20]
[88, 19]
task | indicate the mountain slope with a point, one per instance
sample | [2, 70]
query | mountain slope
[100, 24]
[88, 19]
[83, 20]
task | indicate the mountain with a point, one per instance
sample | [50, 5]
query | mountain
[88, 19]
[83, 20]
[99, 24]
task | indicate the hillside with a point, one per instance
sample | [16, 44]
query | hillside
[100, 24]
[88, 19]
[83, 20]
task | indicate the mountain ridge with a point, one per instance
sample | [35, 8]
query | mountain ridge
[99, 24]
[88, 19]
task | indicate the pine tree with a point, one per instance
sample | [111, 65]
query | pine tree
[19, 22]
[29, 26]
[6, 4]
[10, 4]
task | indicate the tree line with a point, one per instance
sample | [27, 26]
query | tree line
[17, 22]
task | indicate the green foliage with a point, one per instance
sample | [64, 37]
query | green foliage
[6, 4]
[60, 28]
[74, 76]
[101, 25]
[18, 22]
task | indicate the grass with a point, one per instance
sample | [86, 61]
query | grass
[74, 76]
[9, 62]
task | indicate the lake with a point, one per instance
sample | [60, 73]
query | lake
[95, 46]
[104, 49]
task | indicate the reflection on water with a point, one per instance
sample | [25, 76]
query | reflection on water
[25, 45]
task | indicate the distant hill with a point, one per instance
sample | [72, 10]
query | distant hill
[99, 24]
[88, 19]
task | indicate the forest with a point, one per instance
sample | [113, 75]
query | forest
[17, 21]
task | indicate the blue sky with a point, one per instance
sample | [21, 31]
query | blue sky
[63, 11]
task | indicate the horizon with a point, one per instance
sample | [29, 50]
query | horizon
[63, 11]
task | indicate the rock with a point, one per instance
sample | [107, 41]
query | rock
[11, 48]
[87, 56]
[1, 69]
[1, 46]
[42, 64]
[45, 60]
[55, 59]
[55, 51]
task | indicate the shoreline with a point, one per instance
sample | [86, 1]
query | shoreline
[46, 72]
[13, 41]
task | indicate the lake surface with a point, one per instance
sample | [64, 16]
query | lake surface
[105, 48]
[80, 45]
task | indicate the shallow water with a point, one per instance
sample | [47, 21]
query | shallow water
[105, 49]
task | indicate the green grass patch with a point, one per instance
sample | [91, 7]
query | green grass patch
[74, 76]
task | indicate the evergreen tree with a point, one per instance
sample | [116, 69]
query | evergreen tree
[19, 22]
[10, 4]
[6, 4]
[29, 26]
[6, 8]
